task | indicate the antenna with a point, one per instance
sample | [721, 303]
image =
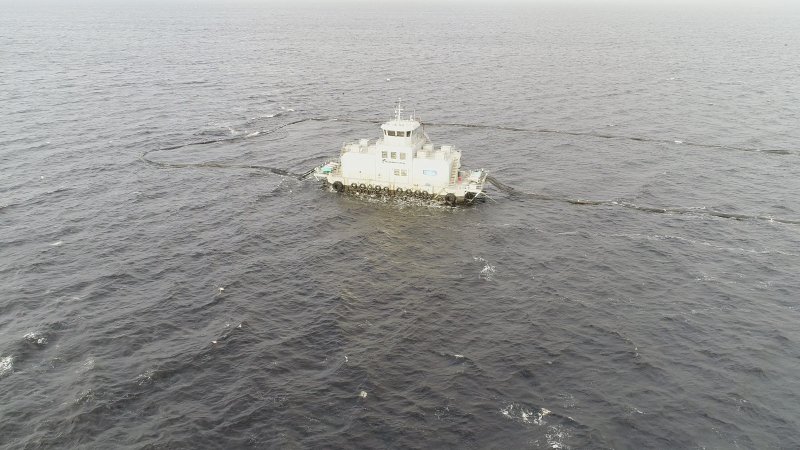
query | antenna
[399, 109]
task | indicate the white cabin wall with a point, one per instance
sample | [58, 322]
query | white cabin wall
[358, 167]
[431, 182]
[386, 169]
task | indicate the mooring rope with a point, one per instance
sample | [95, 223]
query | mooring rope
[491, 179]
[216, 165]
[592, 134]
[694, 211]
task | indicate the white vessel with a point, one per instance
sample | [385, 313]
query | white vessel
[403, 162]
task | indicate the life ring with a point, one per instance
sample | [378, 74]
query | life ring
[450, 199]
[338, 186]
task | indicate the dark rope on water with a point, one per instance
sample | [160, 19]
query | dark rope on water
[619, 137]
[692, 211]
[215, 165]
[592, 134]
[491, 179]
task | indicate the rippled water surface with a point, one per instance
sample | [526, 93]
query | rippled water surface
[631, 282]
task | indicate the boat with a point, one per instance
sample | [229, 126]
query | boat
[403, 163]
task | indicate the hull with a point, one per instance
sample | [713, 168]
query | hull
[464, 191]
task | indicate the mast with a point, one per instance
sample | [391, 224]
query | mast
[399, 110]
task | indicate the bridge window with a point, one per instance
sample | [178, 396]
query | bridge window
[383, 155]
[394, 155]
[402, 155]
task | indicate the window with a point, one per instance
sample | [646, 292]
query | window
[402, 155]
[394, 155]
[383, 155]
[408, 134]
[390, 132]
[397, 172]
[403, 173]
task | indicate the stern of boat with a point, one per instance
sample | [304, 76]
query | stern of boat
[473, 183]
[326, 171]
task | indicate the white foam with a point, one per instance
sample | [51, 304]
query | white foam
[6, 365]
[86, 365]
[35, 338]
[362, 394]
[146, 377]
[459, 356]
[567, 400]
[555, 437]
[85, 396]
[488, 270]
[57, 243]
[520, 413]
